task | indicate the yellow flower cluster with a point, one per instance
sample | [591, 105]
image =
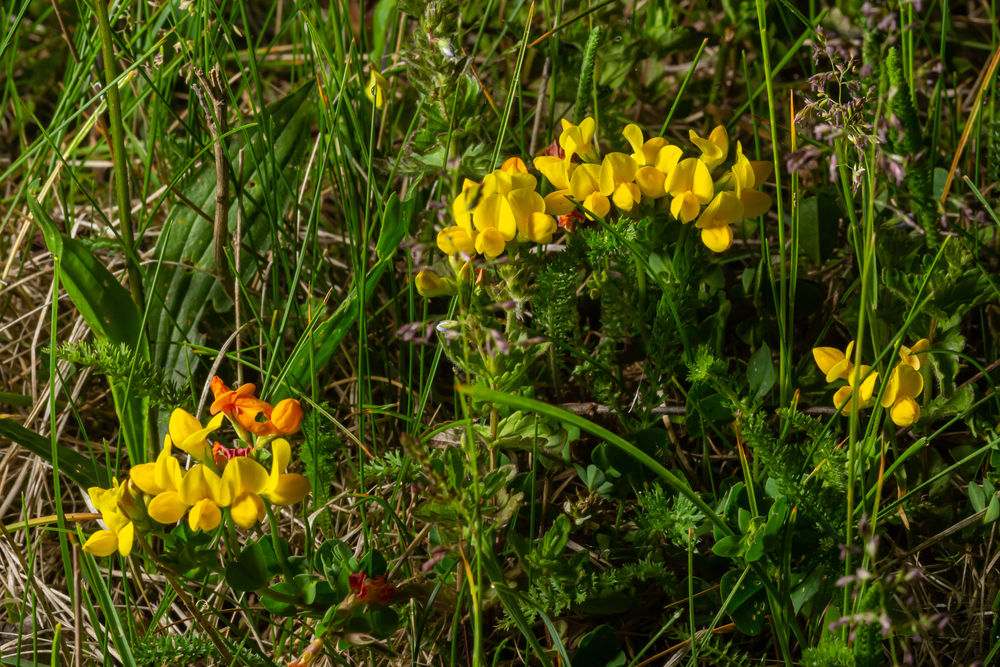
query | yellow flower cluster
[221, 477]
[904, 386]
[505, 206]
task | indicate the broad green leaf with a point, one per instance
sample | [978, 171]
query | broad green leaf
[82, 470]
[728, 547]
[598, 648]
[760, 371]
[108, 309]
[249, 571]
[186, 280]
[749, 603]
[993, 511]
[381, 27]
[819, 219]
[976, 497]
[327, 337]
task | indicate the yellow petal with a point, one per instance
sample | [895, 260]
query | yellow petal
[375, 90]
[144, 477]
[730, 208]
[650, 149]
[625, 199]
[914, 356]
[125, 538]
[524, 203]
[556, 203]
[167, 472]
[868, 386]
[717, 239]
[905, 412]
[182, 425]
[455, 239]
[585, 180]
[199, 483]
[195, 442]
[761, 171]
[891, 390]
[522, 182]
[167, 507]
[490, 243]
[685, 207]
[247, 510]
[554, 169]
[514, 165]
[290, 489]
[587, 127]
[711, 152]
[205, 515]
[633, 134]
[102, 543]
[842, 400]
[540, 227]
[702, 185]
[826, 358]
[617, 168]
[430, 285]
[667, 159]
[911, 382]
[840, 371]
[755, 203]
[597, 204]
[650, 181]
[244, 475]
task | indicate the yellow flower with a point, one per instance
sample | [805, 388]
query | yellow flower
[456, 239]
[652, 179]
[429, 284]
[514, 165]
[559, 173]
[576, 140]
[834, 363]
[493, 217]
[465, 203]
[201, 490]
[162, 480]
[532, 222]
[585, 186]
[726, 209]
[617, 180]
[914, 356]
[715, 149]
[690, 185]
[187, 433]
[245, 482]
[643, 152]
[747, 176]
[120, 532]
[904, 386]
[842, 399]
[375, 91]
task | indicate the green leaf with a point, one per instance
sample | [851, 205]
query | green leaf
[278, 607]
[112, 620]
[186, 281]
[82, 470]
[819, 219]
[249, 571]
[327, 337]
[749, 602]
[976, 497]
[108, 309]
[598, 648]
[760, 372]
[993, 511]
[381, 27]
[728, 547]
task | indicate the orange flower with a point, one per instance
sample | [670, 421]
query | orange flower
[253, 414]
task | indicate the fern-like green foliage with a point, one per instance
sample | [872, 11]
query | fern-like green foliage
[555, 298]
[912, 143]
[829, 653]
[868, 636]
[319, 446]
[120, 364]
[187, 649]
[670, 516]
[583, 90]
